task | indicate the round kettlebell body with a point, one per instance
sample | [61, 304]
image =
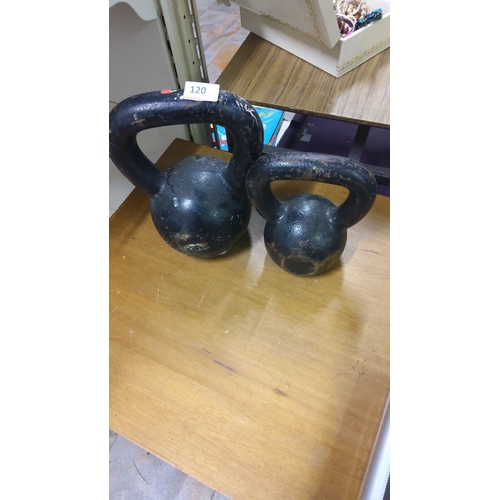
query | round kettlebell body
[306, 234]
[196, 211]
[199, 205]
[304, 240]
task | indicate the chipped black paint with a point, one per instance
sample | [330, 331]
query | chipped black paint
[306, 234]
[199, 205]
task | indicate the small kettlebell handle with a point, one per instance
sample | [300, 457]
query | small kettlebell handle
[329, 169]
[159, 108]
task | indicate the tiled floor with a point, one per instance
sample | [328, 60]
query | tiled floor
[221, 33]
[135, 474]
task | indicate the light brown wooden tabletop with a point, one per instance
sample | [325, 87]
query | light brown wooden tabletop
[266, 75]
[261, 384]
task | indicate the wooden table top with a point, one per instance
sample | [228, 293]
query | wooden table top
[261, 384]
[266, 75]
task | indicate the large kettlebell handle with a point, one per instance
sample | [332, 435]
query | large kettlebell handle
[161, 108]
[329, 169]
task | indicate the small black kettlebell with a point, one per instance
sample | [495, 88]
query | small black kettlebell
[199, 205]
[306, 234]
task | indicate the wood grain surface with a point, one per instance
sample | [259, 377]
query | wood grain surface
[266, 75]
[260, 384]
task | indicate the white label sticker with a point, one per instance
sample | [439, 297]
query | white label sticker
[198, 91]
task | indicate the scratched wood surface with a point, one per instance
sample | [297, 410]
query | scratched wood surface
[260, 384]
[267, 75]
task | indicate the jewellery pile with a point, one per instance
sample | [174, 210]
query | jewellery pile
[346, 25]
[368, 19]
[351, 15]
[353, 9]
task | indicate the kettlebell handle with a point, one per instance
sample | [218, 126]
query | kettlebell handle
[161, 108]
[329, 169]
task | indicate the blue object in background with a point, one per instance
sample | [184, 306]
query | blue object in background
[271, 121]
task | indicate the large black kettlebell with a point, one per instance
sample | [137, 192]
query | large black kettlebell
[199, 205]
[306, 234]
